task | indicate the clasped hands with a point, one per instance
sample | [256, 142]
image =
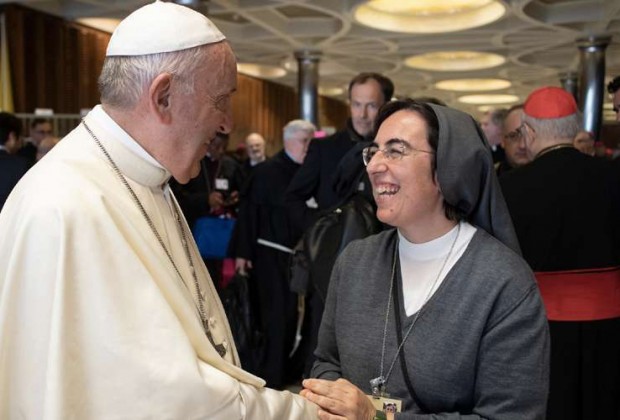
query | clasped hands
[338, 400]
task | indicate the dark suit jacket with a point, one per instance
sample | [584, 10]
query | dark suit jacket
[264, 214]
[316, 176]
[12, 168]
[29, 152]
[193, 197]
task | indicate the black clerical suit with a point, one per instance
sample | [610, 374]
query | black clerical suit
[265, 215]
[29, 152]
[193, 197]
[316, 176]
[502, 168]
[498, 153]
[565, 210]
[12, 168]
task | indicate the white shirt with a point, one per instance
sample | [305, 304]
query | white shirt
[420, 264]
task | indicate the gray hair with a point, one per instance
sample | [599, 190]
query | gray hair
[555, 128]
[297, 125]
[124, 79]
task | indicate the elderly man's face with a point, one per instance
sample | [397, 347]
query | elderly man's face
[403, 185]
[366, 99]
[205, 112]
[255, 145]
[297, 145]
[513, 141]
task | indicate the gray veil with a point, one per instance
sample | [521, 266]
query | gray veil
[467, 177]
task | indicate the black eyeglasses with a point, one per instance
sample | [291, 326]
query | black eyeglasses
[393, 150]
[514, 136]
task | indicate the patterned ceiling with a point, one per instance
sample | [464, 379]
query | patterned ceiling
[536, 36]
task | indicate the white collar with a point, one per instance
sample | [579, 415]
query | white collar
[430, 250]
[132, 160]
[105, 121]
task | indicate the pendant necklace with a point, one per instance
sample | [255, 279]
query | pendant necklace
[220, 348]
[378, 384]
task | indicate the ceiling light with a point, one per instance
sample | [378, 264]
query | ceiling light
[488, 99]
[454, 61]
[485, 108]
[465, 85]
[330, 91]
[103, 24]
[261, 71]
[428, 16]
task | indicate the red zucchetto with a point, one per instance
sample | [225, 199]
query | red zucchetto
[550, 102]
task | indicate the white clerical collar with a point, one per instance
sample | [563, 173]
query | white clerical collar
[430, 250]
[291, 157]
[102, 117]
[131, 158]
[256, 162]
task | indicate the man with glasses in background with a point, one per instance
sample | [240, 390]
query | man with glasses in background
[512, 142]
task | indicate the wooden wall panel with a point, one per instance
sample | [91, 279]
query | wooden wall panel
[55, 64]
[265, 107]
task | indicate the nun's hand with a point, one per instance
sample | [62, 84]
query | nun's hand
[338, 399]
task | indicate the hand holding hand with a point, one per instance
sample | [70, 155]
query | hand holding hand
[338, 399]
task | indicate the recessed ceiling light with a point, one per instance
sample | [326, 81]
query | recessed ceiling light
[454, 61]
[485, 108]
[465, 85]
[330, 91]
[103, 24]
[428, 16]
[261, 71]
[488, 99]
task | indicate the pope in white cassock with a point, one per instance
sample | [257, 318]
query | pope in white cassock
[106, 308]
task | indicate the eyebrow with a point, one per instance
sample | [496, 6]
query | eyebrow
[396, 140]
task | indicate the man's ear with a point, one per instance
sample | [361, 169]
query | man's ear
[160, 101]
[11, 142]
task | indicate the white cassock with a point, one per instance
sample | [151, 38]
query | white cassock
[95, 322]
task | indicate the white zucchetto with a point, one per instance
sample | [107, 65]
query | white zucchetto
[162, 27]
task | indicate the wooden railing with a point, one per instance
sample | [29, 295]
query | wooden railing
[62, 124]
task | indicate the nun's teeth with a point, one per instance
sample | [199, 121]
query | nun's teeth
[384, 189]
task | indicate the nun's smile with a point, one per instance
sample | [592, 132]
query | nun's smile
[404, 187]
